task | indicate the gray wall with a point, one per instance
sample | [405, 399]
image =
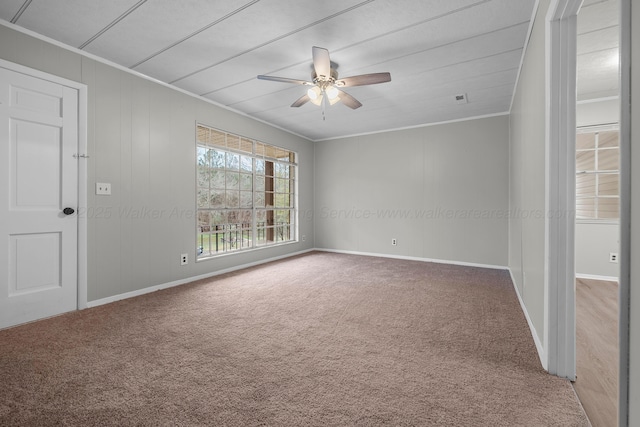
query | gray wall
[527, 177]
[440, 190]
[141, 139]
[594, 242]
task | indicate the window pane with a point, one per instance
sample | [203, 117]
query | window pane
[233, 161]
[217, 198]
[217, 159]
[282, 185]
[259, 183]
[608, 208]
[246, 145]
[203, 159]
[218, 179]
[204, 221]
[585, 184]
[585, 161]
[202, 134]
[203, 197]
[246, 164]
[608, 139]
[233, 180]
[260, 166]
[218, 218]
[233, 141]
[282, 170]
[608, 184]
[259, 200]
[585, 141]
[246, 199]
[586, 208]
[217, 138]
[203, 176]
[282, 200]
[608, 159]
[246, 182]
[233, 199]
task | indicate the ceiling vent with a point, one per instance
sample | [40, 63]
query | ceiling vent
[461, 98]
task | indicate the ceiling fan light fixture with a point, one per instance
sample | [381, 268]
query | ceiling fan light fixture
[314, 93]
[332, 92]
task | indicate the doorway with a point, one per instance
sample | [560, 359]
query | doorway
[597, 232]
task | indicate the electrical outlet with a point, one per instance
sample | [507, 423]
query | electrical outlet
[184, 259]
[304, 238]
[394, 242]
[613, 257]
[103, 188]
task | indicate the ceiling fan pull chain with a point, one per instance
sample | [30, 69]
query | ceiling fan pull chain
[323, 103]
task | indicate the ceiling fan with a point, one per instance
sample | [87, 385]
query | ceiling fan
[325, 84]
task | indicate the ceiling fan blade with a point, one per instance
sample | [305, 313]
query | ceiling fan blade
[321, 61]
[364, 79]
[349, 100]
[285, 80]
[301, 101]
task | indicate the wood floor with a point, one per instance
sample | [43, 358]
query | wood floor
[597, 350]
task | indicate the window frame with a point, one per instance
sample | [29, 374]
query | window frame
[270, 229]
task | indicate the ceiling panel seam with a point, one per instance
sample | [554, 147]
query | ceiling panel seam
[319, 21]
[195, 33]
[591, 52]
[24, 7]
[118, 19]
[610, 27]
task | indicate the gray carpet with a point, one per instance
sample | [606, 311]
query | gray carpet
[320, 339]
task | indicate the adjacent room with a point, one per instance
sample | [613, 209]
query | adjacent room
[278, 212]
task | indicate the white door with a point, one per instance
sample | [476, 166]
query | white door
[38, 180]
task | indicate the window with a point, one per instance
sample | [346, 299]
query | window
[245, 193]
[597, 174]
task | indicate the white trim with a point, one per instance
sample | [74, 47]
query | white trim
[560, 122]
[594, 100]
[596, 277]
[532, 328]
[626, 11]
[82, 197]
[82, 89]
[411, 258]
[167, 285]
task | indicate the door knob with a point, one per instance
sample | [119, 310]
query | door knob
[68, 211]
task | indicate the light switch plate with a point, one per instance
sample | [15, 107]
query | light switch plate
[103, 188]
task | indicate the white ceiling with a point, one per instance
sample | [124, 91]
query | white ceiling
[434, 50]
[598, 57]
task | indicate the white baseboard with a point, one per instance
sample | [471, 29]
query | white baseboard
[596, 277]
[150, 289]
[410, 258]
[534, 333]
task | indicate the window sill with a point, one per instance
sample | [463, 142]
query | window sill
[244, 251]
